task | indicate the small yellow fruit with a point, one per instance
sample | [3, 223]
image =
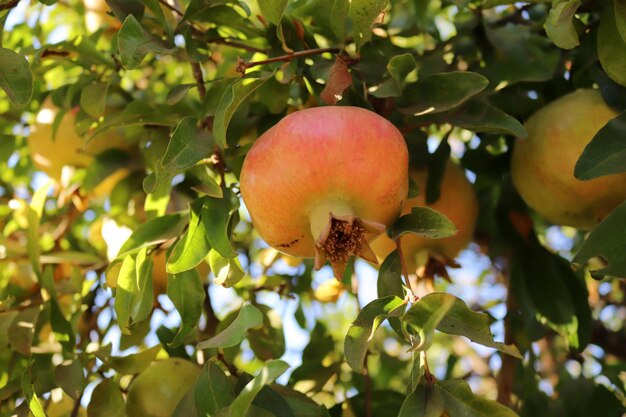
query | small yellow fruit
[542, 166]
[159, 388]
[457, 200]
[51, 153]
[329, 291]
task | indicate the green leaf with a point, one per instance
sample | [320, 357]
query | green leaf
[130, 364]
[155, 8]
[559, 25]
[216, 216]
[178, 93]
[213, 391]
[268, 341]
[331, 17]
[134, 43]
[230, 101]
[134, 295]
[272, 370]
[423, 221]
[605, 247]
[249, 317]
[606, 153]
[275, 95]
[93, 98]
[16, 77]
[363, 13]
[187, 294]
[424, 316]
[193, 246]
[461, 402]
[189, 144]
[69, 376]
[152, 232]
[106, 400]
[611, 47]
[620, 17]
[399, 67]
[62, 329]
[425, 401]
[22, 330]
[137, 113]
[458, 320]
[34, 219]
[227, 271]
[441, 92]
[273, 10]
[390, 276]
[480, 116]
[362, 329]
[547, 277]
[30, 397]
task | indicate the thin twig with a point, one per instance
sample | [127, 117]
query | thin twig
[506, 377]
[9, 5]
[428, 376]
[197, 75]
[231, 368]
[235, 44]
[412, 296]
[76, 407]
[172, 8]
[368, 387]
[242, 66]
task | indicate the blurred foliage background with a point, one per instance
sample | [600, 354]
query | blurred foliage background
[153, 106]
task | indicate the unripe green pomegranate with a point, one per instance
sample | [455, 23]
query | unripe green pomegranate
[323, 181]
[159, 388]
[457, 200]
[542, 166]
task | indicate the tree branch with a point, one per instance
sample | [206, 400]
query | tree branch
[368, 387]
[506, 377]
[9, 5]
[197, 75]
[242, 66]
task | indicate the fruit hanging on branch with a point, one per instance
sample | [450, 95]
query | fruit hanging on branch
[325, 180]
[159, 388]
[542, 166]
[52, 148]
[457, 201]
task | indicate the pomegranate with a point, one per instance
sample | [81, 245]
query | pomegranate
[325, 180]
[542, 166]
[457, 201]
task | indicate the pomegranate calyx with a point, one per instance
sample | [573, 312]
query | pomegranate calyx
[342, 237]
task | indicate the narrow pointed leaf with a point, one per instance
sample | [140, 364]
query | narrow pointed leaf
[363, 328]
[423, 221]
[16, 77]
[249, 317]
[187, 294]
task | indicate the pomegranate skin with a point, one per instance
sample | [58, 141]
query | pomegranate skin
[320, 163]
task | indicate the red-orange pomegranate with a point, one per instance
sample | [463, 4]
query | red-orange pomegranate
[325, 180]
